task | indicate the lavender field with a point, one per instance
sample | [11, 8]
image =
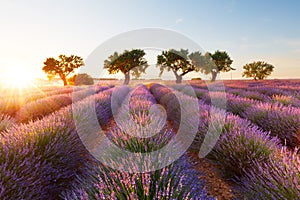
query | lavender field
[252, 148]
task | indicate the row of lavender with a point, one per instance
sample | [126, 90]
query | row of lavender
[139, 127]
[280, 120]
[38, 108]
[13, 100]
[41, 159]
[287, 97]
[291, 85]
[268, 95]
[256, 161]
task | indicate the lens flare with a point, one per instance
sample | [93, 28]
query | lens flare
[20, 79]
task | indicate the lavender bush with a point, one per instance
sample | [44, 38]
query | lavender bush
[132, 132]
[254, 95]
[281, 121]
[176, 181]
[10, 105]
[104, 105]
[40, 160]
[286, 100]
[167, 98]
[15, 100]
[240, 144]
[238, 105]
[5, 122]
[42, 107]
[42, 94]
[270, 91]
[277, 179]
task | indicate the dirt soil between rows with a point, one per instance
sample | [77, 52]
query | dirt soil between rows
[216, 185]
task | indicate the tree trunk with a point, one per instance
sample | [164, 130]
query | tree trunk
[127, 78]
[178, 79]
[64, 79]
[213, 76]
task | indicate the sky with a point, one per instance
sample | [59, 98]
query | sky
[32, 31]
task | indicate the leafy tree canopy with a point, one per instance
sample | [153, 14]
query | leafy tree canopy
[217, 62]
[179, 62]
[63, 66]
[258, 70]
[222, 61]
[129, 61]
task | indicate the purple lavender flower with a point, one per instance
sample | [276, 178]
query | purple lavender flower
[279, 178]
[281, 121]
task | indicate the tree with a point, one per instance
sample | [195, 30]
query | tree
[50, 77]
[222, 63]
[81, 79]
[63, 66]
[128, 62]
[179, 62]
[258, 70]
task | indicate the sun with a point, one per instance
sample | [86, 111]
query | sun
[17, 79]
